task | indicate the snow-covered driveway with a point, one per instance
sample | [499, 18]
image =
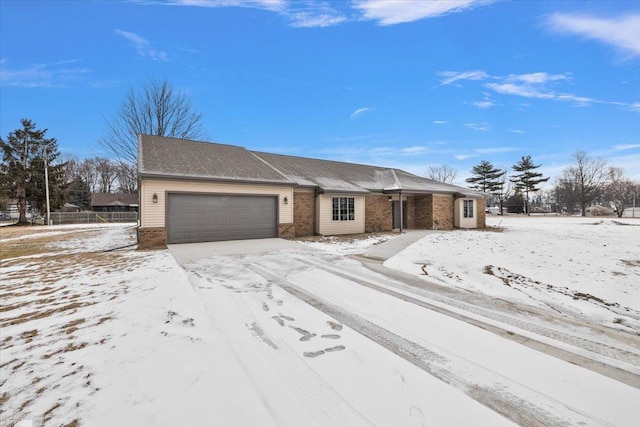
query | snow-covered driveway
[328, 341]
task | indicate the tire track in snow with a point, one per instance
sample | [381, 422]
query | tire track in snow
[577, 350]
[514, 401]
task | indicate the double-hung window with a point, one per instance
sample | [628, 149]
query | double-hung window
[344, 209]
[467, 208]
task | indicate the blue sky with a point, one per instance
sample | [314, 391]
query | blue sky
[396, 83]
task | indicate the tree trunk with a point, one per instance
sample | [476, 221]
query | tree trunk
[22, 205]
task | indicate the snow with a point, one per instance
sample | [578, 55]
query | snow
[306, 336]
[346, 246]
[586, 266]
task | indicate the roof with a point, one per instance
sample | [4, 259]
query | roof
[169, 157]
[114, 199]
[181, 158]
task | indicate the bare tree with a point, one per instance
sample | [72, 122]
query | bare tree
[442, 173]
[620, 190]
[106, 173]
[589, 176]
[156, 109]
[127, 177]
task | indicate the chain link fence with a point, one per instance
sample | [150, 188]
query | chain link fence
[92, 217]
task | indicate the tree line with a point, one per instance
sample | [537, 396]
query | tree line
[585, 182]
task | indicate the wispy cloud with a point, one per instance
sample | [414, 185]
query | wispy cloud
[464, 156]
[484, 127]
[360, 111]
[313, 20]
[387, 12]
[308, 14]
[623, 147]
[143, 46]
[454, 76]
[516, 131]
[440, 122]
[537, 85]
[416, 149]
[275, 5]
[622, 32]
[487, 103]
[55, 74]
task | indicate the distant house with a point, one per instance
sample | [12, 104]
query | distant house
[114, 202]
[198, 191]
[70, 207]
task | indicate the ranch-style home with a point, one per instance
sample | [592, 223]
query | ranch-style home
[193, 191]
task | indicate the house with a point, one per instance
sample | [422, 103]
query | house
[114, 202]
[194, 191]
[70, 207]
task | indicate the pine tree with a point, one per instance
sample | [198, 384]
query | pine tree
[23, 166]
[527, 179]
[485, 177]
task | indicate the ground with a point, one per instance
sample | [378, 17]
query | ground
[535, 324]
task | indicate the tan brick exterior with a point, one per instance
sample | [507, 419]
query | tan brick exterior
[287, 231]
[482, 213]
[423, 212]
[377, 214]
[152, 238]
[304, 208]
[443, 212]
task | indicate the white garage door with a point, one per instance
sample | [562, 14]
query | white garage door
[213, 217]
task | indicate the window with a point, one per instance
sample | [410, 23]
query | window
[344, 209]
[467, 207]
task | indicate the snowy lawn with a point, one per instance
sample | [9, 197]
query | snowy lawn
[580, 266]
[301, 336]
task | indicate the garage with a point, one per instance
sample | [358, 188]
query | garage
[215, 217]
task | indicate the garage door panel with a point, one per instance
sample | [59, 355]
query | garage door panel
[200, 218]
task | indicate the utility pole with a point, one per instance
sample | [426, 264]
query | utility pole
[46, 184]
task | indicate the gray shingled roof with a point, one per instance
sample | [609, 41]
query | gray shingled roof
[159, 156]
[170, 157]
[113, 199]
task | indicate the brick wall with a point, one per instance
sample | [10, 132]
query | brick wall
[423, 212]
[482, 213]
[377, 214]
[303, 213]
[443, 212]
[286, 231]
[152, 238]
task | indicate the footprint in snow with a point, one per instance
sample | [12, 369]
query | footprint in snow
[335, 326]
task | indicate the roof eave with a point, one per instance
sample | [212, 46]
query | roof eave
[148, 175]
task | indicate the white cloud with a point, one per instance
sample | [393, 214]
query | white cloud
[314, 20]
[487, 103]
[387, 12]
[524, 90]
[623, 31]
[143, 46]
[538, 78]
[440, 122]
[454, 76]
[360, 111]
[258, 4]
[622, 147]
[484, 127]
[416, 149]
[516, 130]
[56, 74]
[464, 156]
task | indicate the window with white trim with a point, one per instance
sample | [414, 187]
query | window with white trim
[467, 208]
[344, 209]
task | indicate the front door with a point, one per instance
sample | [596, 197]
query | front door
[396, 214]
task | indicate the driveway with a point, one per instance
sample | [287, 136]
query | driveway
[344, 345]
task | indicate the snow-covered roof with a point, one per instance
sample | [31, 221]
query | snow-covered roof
[169, 157]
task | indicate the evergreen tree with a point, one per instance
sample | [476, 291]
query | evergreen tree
[527, 179]
[23, 166]
[486, 177]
